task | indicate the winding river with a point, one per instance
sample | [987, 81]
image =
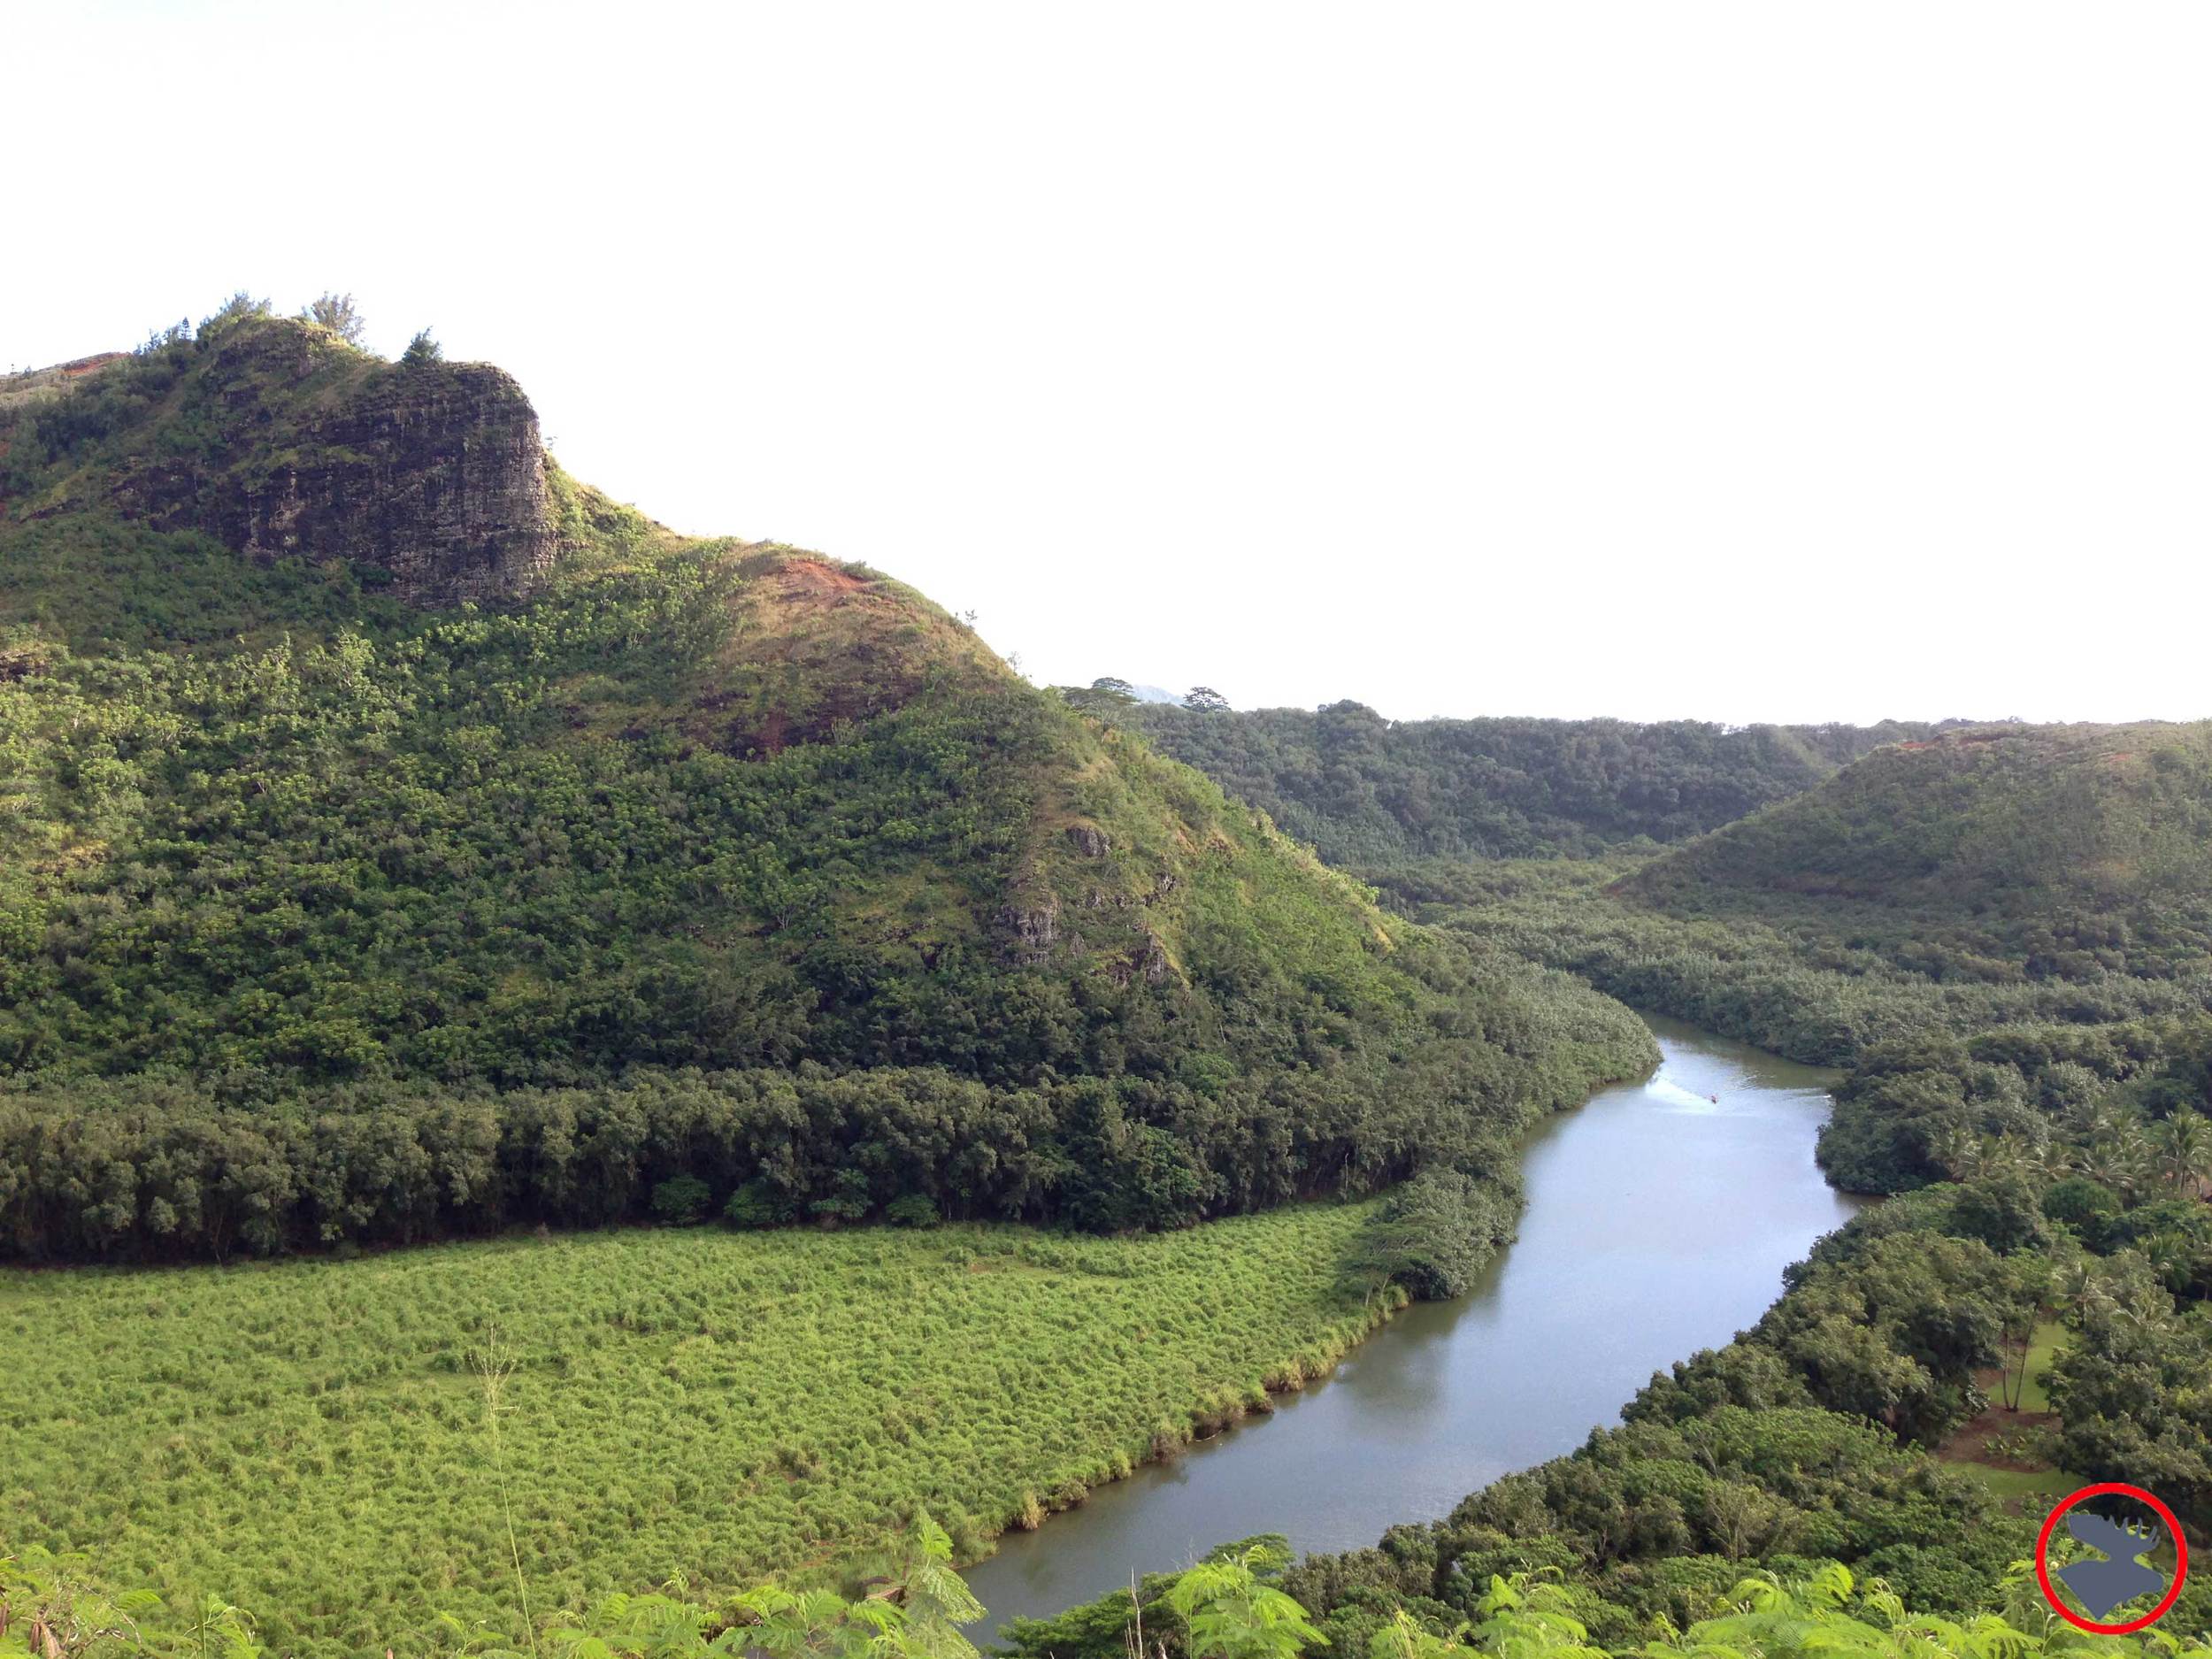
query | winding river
[1659, 1222]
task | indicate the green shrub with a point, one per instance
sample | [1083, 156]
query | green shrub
[2083, 1205]
[757, 1205]
[846, 1199]
[681, 1200]
[915, 1209]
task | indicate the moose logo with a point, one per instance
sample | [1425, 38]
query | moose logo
[2115, 1574]
[2102, 1585]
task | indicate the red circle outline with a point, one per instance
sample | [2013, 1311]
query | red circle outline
[2114, 1489]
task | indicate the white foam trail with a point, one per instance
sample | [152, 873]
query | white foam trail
[1673, 1095]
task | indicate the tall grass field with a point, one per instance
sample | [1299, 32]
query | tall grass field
[337, 1445]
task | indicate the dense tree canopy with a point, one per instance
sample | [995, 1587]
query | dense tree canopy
[1371, 793]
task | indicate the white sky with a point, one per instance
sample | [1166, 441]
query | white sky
[1745, 361]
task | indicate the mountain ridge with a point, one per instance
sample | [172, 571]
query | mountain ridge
[1373, 793]
[302, 859]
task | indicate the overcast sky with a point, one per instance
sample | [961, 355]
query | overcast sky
[1751, 361]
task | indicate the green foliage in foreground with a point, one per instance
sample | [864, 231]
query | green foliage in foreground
[914, 1608]
[1233, 1606]
[311, 1439]
[1829, 1613]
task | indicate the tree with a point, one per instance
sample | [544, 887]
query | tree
[338, 313]
[1232, 1612]
[1435, 1233]
[422, 350]
[681, 1200]
[237, 308]
[1121, 690]
[2035, 1279]
[2184, 1150]
[1205, 699]
[2114, 1152]
[936, 1599]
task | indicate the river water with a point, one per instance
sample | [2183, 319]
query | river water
[1659, 1222]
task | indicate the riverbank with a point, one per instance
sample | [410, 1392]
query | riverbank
[1659, 1221]
[773, 1403]
[314, 1440]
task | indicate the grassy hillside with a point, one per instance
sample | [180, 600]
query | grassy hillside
[1373, 793]
[322, 899]
[315, 1440]
[2065, 849]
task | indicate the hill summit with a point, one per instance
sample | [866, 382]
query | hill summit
[282, 441]
[404, 839]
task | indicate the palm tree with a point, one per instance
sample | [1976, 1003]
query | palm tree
[2115, 1153]
[2021, 1153]
[2185, 1152]
[2077, 1290]
[1958, 1152]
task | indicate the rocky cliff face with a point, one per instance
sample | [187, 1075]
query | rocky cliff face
[284, 443]
[432, 472]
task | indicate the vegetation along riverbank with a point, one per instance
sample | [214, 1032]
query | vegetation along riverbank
[316, 1439]
[1999, 933]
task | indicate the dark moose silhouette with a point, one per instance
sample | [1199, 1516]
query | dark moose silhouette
[2103, 1584]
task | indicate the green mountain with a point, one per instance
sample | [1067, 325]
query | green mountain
[401, 838]
[1373, 793]
[1999, 853]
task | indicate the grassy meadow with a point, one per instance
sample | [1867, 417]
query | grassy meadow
[314, 1439]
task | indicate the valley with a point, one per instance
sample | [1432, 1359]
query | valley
[1659, 1221]
[542, 1057]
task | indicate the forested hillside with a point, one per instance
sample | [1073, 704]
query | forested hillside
[339, 905]
[1372, 793]
[2030, 831]
[2037, 894]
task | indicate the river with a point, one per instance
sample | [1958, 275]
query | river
[1658, 1222]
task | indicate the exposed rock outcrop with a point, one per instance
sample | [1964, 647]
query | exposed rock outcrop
[1032, 934]
[436, 475]
[434, 472]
